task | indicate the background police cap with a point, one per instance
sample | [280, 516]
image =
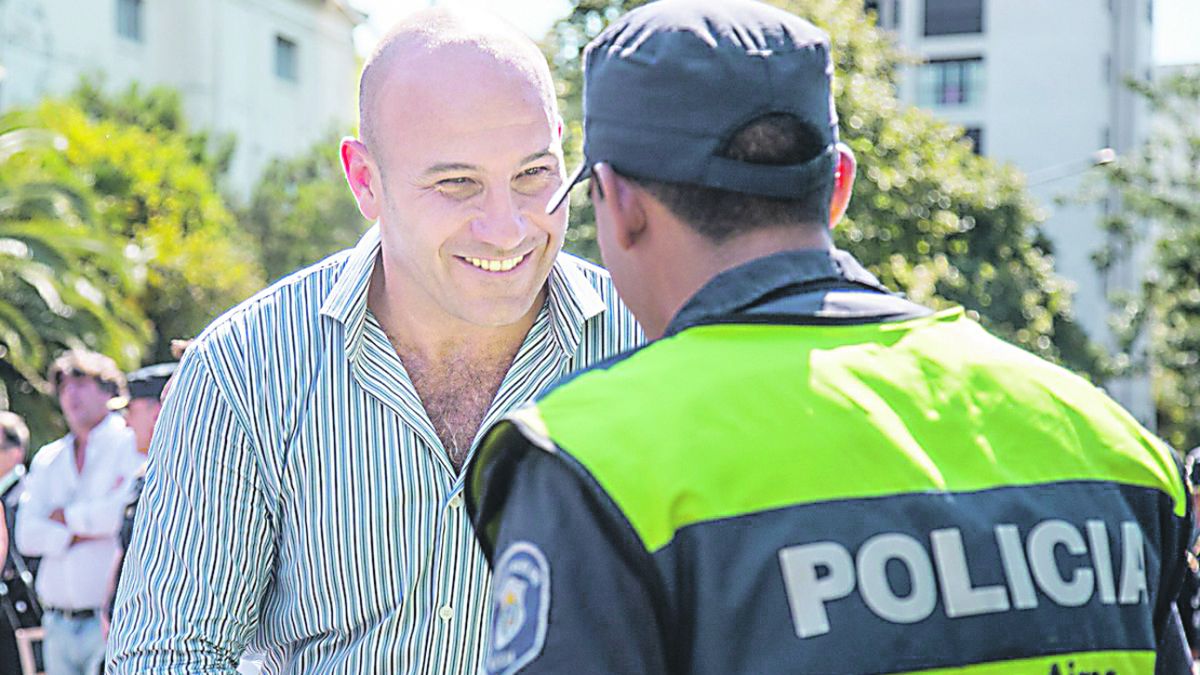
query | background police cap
[666, 85]
[145, 382]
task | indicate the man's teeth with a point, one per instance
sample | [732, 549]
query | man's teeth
[496, 265]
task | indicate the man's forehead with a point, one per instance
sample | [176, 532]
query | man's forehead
[465, 106]
[464, 70]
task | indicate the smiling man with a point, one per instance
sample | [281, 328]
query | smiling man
[304, 492]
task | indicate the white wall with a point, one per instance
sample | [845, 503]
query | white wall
[218, 53]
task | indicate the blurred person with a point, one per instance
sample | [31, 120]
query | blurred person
[306, 500]
[141, 409]
[70, 514]
[143, 404]
[18, 605]
[1188, 602]
[802, 472]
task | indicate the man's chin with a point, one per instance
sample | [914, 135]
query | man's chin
[498, 313]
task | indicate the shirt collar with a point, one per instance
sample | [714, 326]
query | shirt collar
[743, 286]
[347, 299]
[571, 300]
[112, 422]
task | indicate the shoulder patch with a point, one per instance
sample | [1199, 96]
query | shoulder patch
[528, 420]
[520, 608]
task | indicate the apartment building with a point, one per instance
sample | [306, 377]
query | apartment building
[1040, 84]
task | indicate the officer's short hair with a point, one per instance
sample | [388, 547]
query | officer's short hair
[771, 140]
[86, 363]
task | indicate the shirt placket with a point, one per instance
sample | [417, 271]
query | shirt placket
[459, 589]
[462, 591]
[453, 597]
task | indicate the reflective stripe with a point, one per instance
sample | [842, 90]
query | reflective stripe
[1116, 662]
[838, 412]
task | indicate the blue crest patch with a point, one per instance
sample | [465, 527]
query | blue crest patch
[520, 608]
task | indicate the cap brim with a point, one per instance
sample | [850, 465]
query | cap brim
[582, 173]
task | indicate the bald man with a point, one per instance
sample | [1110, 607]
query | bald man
[303, 498]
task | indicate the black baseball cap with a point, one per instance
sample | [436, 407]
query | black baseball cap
[145, 382]
[667, 84]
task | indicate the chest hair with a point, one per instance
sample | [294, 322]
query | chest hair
[457, 394]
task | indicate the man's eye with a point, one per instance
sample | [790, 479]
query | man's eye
[459, 187]
[534, 179]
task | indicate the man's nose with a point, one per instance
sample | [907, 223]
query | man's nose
[502, 225]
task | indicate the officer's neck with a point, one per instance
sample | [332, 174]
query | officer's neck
[695, 260]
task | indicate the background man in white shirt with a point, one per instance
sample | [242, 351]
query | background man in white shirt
[71, 510]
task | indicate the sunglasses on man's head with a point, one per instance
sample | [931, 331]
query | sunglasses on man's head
[73, 373]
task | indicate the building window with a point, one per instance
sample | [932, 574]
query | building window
[975, 135]
[129, 19]
[951, 82]
[286, 67]
[885, 12]
[953, 17]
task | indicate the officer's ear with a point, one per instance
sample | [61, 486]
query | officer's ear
[843, 184]
[619, 206]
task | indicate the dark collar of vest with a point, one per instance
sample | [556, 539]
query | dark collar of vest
[744, 286]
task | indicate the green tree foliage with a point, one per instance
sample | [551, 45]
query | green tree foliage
[929, 216]
[154, 185]
[1159, 199]
[113, 236]
[158, 110]
[302, 210]
[64, 282]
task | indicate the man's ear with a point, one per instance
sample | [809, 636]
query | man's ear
[843, 184]
[361, 173]
[622, 204]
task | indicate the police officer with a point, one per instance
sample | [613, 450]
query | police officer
[802, 472]
[18, 604]
[1188, 602]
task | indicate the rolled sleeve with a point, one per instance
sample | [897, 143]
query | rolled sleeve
[203, 542]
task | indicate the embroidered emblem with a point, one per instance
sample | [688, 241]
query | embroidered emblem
[520, 608]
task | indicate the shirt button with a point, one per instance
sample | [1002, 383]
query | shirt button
[445, 613]
[455, 501]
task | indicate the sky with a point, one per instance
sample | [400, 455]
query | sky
[1176, 31]
[534, 17]
[1176, 22]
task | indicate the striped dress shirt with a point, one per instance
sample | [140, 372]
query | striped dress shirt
[298, 501]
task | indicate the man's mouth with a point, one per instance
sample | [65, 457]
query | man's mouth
[495, 265]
